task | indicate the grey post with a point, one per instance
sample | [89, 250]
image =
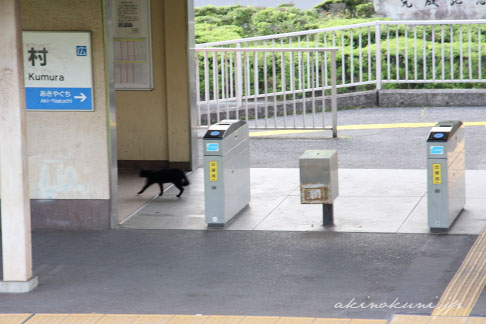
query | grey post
[319, 181]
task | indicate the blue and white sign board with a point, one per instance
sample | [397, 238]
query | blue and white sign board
[58, 73]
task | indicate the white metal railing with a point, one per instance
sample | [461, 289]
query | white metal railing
[268, 87]
[371, 55]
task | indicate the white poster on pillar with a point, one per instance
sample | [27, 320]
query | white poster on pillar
[58, 71]
[132, 48]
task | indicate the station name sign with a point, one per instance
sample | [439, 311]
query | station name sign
[58, 71]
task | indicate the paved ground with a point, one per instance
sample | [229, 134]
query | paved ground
[397, 148]
[316, 274]
[238, 273]
[370, 200]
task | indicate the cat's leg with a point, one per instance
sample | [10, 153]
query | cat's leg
[161, 185]
[180, 187]
[147, 184]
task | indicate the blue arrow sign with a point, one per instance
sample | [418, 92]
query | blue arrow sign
[73, 99]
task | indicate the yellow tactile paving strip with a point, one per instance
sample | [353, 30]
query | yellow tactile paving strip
[462, 293]
[48, 318]
[332, 321]
[81, 319]
[224, 319]
[200, 319]
[170, 319]
[412, 319]
[153, 319]
[13, 318]
[188, 319]
[259, 320]
[118, 319]
[295, 320]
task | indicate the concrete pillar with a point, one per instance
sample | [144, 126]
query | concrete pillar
[15, 204]
[178, 104]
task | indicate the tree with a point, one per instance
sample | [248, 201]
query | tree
[206, 33]
[283, 19]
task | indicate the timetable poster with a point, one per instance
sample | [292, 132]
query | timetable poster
[132, 57]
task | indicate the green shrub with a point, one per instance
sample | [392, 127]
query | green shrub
[233, 22]
[365, 10]
[206, 33]
[352, 8]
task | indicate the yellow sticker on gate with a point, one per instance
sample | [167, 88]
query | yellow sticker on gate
[213, 171]
[436, 173]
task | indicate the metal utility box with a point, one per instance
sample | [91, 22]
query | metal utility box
[226, 171]
[446, 182]
[318, 177]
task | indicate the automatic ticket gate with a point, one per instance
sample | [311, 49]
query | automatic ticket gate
[226, 171]
[445, 174]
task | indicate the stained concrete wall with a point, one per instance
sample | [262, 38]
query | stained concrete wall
[68, 151]
[431, 9]
[153, 128]
[142, 115]
[178, 107]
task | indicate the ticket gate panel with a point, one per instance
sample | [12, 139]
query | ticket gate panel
[445, 174]
[226, 171]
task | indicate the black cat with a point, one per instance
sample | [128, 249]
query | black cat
[174, 175]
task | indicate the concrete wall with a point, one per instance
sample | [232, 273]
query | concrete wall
[153, 128]
[68, 151]
[432, 98]
[178, 106]
[142, 115]
[411, 98]
[431, 9]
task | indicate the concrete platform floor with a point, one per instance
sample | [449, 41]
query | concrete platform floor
[242, 273]
[370, 200]
[129, 183]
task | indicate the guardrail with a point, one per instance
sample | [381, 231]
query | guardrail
[371, 55]
[268, 87]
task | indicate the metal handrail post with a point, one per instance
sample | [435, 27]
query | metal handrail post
[378, 55]
[333, 94]
[238, 79]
